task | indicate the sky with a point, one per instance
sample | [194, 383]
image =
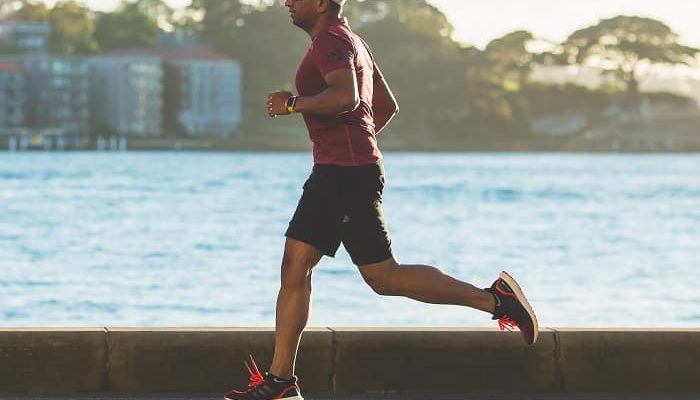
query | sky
[477, 22]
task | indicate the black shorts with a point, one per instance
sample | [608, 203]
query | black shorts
[344, 205]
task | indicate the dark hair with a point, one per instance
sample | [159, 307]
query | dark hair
[334, 7]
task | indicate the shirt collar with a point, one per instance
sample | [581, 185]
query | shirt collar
[333, 23]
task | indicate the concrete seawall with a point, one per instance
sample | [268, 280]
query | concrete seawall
[353, 361]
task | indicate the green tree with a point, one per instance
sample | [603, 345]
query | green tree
[8, 7]
[417, 16]
[128, 26]
[72, 29]
[424, 66]
[620, 45]
[220, 17]
[510, 59]
[446, 91]
[157, 11]
[31, 11]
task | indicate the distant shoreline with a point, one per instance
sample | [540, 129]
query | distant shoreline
[613, 139]
[384, 150]
[393, 144]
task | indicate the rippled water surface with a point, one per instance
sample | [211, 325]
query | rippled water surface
[190, 239]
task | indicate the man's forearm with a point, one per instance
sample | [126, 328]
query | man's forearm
[332, 101]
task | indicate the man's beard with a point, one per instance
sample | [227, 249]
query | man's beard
[300, 24]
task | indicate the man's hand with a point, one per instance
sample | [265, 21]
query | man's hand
[277, 103]
[384, 103]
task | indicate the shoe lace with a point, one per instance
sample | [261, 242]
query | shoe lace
[506, 323]
[256, 378]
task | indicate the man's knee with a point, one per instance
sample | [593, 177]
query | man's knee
[298, 261]
[295, 275]
[380, 277]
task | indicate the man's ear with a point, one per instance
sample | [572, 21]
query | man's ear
[323, 5]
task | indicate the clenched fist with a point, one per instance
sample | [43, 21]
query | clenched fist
[277, 103]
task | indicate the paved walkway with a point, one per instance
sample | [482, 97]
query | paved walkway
[388, 397]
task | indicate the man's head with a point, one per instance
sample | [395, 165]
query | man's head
[306, 14]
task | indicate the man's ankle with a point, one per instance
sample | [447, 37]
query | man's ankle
[284, 375]
[496, 301]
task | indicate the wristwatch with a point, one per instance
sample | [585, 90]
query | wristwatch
[291, 103]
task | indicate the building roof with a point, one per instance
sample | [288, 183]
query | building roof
[45, 26]
[11, 21]
[193, 53]
[131, 53]
[6, 66]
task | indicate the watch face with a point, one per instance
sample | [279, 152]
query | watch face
[291, 102]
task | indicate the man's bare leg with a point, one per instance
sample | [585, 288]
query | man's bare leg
[425, 283]
[293, 304]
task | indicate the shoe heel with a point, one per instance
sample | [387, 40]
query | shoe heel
[523, 300]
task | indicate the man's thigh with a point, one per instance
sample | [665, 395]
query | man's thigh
[298, 260]
[317, 219]
[365, 234]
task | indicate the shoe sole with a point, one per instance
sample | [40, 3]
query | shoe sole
[281, 398]
[523, 300]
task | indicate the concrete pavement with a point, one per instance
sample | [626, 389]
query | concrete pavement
[356, 362]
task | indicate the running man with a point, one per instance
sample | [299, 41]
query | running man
[345, 102]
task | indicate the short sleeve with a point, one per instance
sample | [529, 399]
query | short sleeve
[377, 76]
[330, 53]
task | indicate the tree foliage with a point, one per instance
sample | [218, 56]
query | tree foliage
[411, 44]
[31, 11]
[9, 7]
[621, 44]
[156, 10]
[72, 29]
[510, 59]
[132, 24]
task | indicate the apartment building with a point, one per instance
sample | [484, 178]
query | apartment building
[126, 95]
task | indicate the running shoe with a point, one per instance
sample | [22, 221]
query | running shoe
[266, 387]
[512, 308]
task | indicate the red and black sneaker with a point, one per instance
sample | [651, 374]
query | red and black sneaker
[266, 387]
[512, 308]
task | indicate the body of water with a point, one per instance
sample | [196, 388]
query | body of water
[195, 239]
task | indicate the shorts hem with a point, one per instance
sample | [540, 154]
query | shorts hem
[373, 260]
[326, 252]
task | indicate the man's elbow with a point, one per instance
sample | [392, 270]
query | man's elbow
[350, 104]
[392, 110]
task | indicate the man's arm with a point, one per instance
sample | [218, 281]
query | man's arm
[384, 104]
[341, 96]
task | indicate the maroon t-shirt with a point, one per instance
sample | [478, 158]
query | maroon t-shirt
[347, 139]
